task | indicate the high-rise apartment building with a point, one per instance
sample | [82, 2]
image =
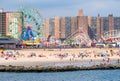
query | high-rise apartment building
[62, 28]
[67, 26]
[46, 28]
[80, 12]
[105, 24]
[57, 28]
[101, 26]
[14, 24]
[117, 23]
[2, 23]
[11, 24]
[95, 27]
[92, 28]
[83, 23]
[98, 28]
[74, 25]
[110, 22]
[52, 27]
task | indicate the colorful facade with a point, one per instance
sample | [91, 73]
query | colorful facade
[13, 24]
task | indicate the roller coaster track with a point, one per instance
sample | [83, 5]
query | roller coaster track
[113, 35]
[79, 36]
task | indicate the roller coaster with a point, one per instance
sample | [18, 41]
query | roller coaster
[112, 36]
[79, 37]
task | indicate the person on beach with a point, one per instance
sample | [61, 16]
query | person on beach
[14, 57]
[118, 61]
[90, 61]
[103, 60]
[70, 60]
[111, 52]
[108, 60]
[60, 48]
[6, 57]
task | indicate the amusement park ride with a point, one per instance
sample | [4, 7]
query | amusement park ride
[111, 36]
[32, 29]
[80, 37]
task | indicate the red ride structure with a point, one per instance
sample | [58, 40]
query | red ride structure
[111, 36]
[80, 37]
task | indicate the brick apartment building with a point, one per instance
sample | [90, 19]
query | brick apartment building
[95, 27]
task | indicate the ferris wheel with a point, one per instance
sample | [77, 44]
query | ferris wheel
[33, 21]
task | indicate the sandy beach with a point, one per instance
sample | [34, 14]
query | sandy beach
[57, 57]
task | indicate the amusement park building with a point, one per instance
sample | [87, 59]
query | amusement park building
[94, 27]
[10, 24]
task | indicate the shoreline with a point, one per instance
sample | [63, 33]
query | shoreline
[49, 59]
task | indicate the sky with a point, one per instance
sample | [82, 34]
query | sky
[61, 8]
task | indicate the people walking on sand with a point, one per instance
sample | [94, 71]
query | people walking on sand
[60, 48]
[90, 61]
[118, 61]
[6, 57]
[103, 60]
[70, 59]
[108, 60]
[111, 52]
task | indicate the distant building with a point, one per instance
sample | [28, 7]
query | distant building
[74, 25]
[67, 26]
[117, 23]
[110, 22]
[94, 27]
[57, 27]
[6, 43]
[2, 23]
[83, 23]
[80, 12]
[98, 28]
[52, 27]
[46, 28]
[11, 24]
[61, 27]
[14, 24]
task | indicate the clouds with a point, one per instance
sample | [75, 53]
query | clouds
[51, 8]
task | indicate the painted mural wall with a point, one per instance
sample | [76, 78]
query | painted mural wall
[14, 24]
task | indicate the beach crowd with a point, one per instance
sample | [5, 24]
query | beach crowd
[90, 55]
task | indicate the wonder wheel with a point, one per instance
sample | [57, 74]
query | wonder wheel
[32, 23]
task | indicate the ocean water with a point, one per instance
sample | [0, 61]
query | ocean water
[88, 75]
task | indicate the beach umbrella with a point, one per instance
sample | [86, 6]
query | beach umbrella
[5, 52]
[81, 53]
[1, 51]
[102, 53]
[10, 52]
